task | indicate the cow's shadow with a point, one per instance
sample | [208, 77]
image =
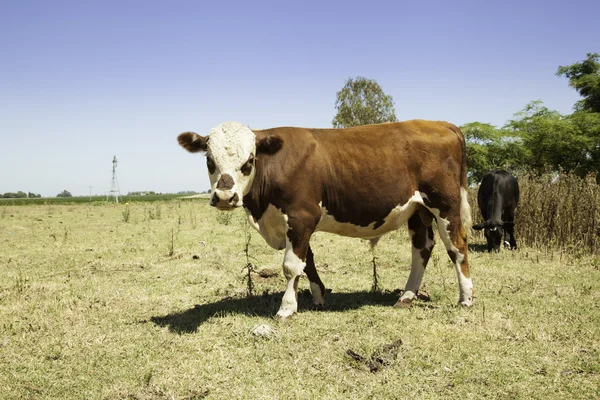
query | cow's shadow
[266, 305]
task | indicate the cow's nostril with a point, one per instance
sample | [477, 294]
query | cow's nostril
[214, 200]
[234, 199]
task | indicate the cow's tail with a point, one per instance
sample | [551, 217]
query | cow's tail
[465, 208]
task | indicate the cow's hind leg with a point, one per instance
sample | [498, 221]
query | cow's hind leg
[421, 236]
[316, 285]
[454, 236]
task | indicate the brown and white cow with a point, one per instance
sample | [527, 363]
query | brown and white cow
[360, 182]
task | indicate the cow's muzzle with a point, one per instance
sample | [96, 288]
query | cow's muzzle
[224, 199]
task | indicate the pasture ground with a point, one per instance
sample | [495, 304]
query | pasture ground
[148, 301]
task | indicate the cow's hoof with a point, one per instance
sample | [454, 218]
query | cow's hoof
[466, 303]
[403, 303]
[284, 315]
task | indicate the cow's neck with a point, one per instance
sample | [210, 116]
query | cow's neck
[259, 197]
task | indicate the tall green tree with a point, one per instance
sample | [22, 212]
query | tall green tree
[361, 102]
[570, 143]
[489, 147]
[584, 76]
[586, 125]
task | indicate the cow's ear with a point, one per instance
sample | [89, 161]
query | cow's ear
[477, 227]
[192, 142]
[269, 144]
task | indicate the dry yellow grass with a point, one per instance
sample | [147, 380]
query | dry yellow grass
[95, 307]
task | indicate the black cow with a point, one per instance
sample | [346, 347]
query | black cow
[497, 198]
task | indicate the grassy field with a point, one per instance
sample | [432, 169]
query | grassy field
[149, 301]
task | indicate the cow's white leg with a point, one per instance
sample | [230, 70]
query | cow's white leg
[422, 246]
[297, 249]
[292, 269]
[454, 237]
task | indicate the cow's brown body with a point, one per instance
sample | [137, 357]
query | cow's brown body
[360, 182]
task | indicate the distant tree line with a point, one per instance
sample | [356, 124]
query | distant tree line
[142, 193]
[65, 193]
[20, 195]
[537, 140]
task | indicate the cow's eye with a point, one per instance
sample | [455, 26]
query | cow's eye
[210, 164]
[247, 167]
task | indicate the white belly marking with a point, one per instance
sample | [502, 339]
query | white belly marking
[396, 218]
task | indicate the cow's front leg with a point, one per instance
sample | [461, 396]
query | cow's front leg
[294, 261]
[509, 238]
[292, 269]
[454, 236]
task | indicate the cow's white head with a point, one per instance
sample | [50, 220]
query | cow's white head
[230, 150]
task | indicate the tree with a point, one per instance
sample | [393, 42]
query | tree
[570, 143]
[489, 148]
[64, 193]
[361, 102]
[584, 76]
[586, 126]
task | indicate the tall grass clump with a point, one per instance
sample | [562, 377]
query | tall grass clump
[250, 268]
[126, 213]
[224, 218]
[560, 212]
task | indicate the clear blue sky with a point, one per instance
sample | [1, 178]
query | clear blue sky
[81, 81]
